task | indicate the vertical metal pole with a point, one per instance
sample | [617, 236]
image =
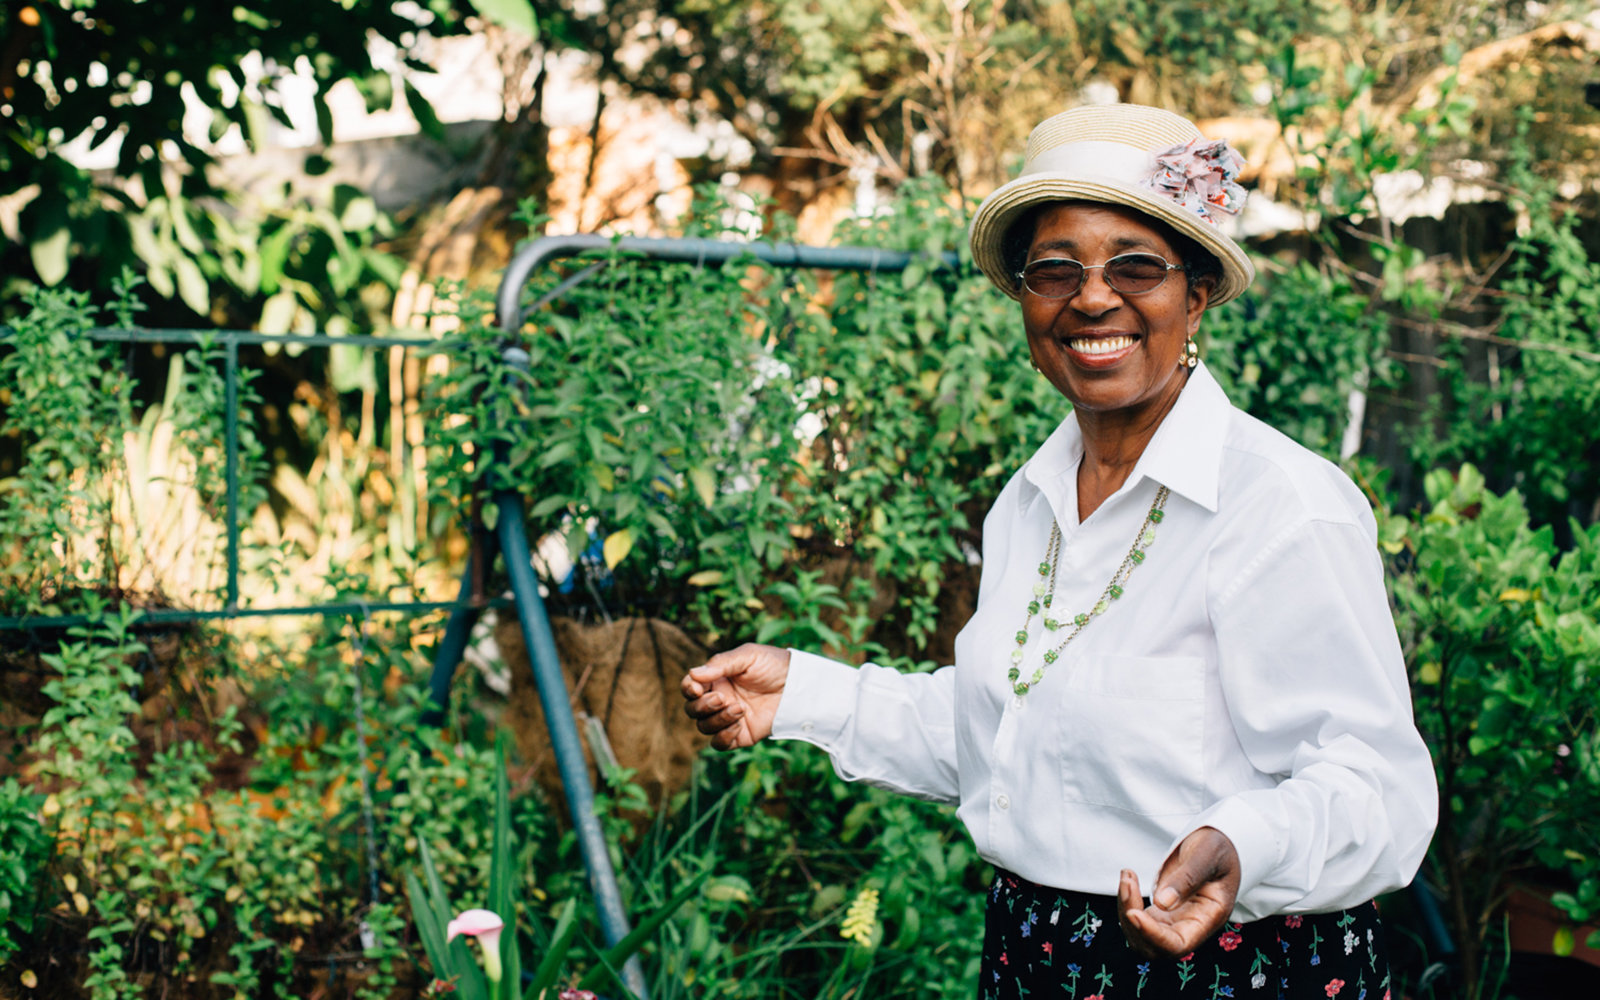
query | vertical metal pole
[231, 435]
[451, 649]
[563, 728]
[1432, 919]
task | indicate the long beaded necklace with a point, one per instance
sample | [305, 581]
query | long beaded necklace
[1044, 593]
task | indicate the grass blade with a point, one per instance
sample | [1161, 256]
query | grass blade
[560, 943]
[613, 957]
[502, 880]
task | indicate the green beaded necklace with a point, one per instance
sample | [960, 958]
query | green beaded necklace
[1043, 594]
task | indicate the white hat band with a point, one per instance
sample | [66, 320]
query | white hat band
[1094, 158]
[1151, 161]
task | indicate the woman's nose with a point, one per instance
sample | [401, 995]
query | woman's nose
[1095, 297]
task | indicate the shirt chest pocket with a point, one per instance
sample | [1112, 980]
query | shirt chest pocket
[1131, 734]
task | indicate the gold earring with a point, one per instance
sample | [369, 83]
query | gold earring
[1191, 353]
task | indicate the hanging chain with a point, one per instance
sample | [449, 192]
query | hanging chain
[369, 826]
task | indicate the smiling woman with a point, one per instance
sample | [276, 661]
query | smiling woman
[1182, 672]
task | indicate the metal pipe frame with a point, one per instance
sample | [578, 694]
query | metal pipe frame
[508, 301]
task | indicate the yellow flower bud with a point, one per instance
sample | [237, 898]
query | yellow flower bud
[861, 920]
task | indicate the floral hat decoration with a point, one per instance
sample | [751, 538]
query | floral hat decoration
[1147, 159]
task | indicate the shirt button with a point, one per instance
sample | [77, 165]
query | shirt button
[806, 727]
[1017, 702]
[1003, 801]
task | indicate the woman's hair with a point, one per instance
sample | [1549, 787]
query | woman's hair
[1199, 264]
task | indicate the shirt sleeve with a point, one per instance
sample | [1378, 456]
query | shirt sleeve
[1315, 684]
[880, 726]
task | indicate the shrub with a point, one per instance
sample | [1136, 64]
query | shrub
[1528, 419]
[1502, 634]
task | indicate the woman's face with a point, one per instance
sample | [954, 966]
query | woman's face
[1108, 352]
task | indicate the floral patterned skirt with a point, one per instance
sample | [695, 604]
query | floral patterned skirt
[1053, 944]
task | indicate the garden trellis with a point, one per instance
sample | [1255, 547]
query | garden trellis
[509, 538]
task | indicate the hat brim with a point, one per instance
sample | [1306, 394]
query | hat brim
[1006, 205]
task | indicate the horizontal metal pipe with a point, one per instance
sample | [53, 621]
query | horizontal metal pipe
[168, 616]
[689, 251]
[141, 335]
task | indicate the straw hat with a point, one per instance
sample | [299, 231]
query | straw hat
[1124, 154]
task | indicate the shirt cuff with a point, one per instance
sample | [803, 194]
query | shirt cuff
[1254, 840]
[818, 700]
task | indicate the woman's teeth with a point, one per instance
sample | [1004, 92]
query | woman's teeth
[1099, 345]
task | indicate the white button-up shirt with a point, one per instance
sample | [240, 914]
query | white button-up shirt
[1249, 679]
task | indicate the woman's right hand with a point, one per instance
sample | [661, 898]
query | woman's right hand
[733, 697]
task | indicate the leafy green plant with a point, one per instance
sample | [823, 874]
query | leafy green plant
[1295, 348]
[24, 851]
[84, 69]
[85, 744]
[501, 978]
[64, 392]
[1524, 422]
[232, 886]
[1502, 633]
[1324, 118]
[715, 431]
[791, 848]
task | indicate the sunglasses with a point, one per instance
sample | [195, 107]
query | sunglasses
[1127, 274]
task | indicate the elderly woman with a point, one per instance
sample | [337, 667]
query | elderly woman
[1182, 672]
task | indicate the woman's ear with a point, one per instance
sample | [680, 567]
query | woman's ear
[1200, 292]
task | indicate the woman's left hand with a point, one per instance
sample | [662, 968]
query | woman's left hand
[1194, 894]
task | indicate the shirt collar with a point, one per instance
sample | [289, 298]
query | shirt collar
[1185, 455]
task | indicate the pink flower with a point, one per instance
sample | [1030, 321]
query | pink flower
[1293, 921]
[1187, 957]
[1049, 948]
[1199, 176]
[576, 995]
[1333, 987]
[485, 925]
[1230, 940]
[1004, 960]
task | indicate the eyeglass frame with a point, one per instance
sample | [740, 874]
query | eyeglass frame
[1022, 281]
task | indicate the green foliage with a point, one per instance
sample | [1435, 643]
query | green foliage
[738, 426]
[1502, 634]
[791, 846]
[87, 499]
[64, 392]
[927, 76]
[197, 406]
[1528, 422]
[922, 403]
[1320, 115]
[24, 851]
[1294, 347]
[452, 961]
[95, 69]
[85, 744]
[244, 888]
[1197, 41]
